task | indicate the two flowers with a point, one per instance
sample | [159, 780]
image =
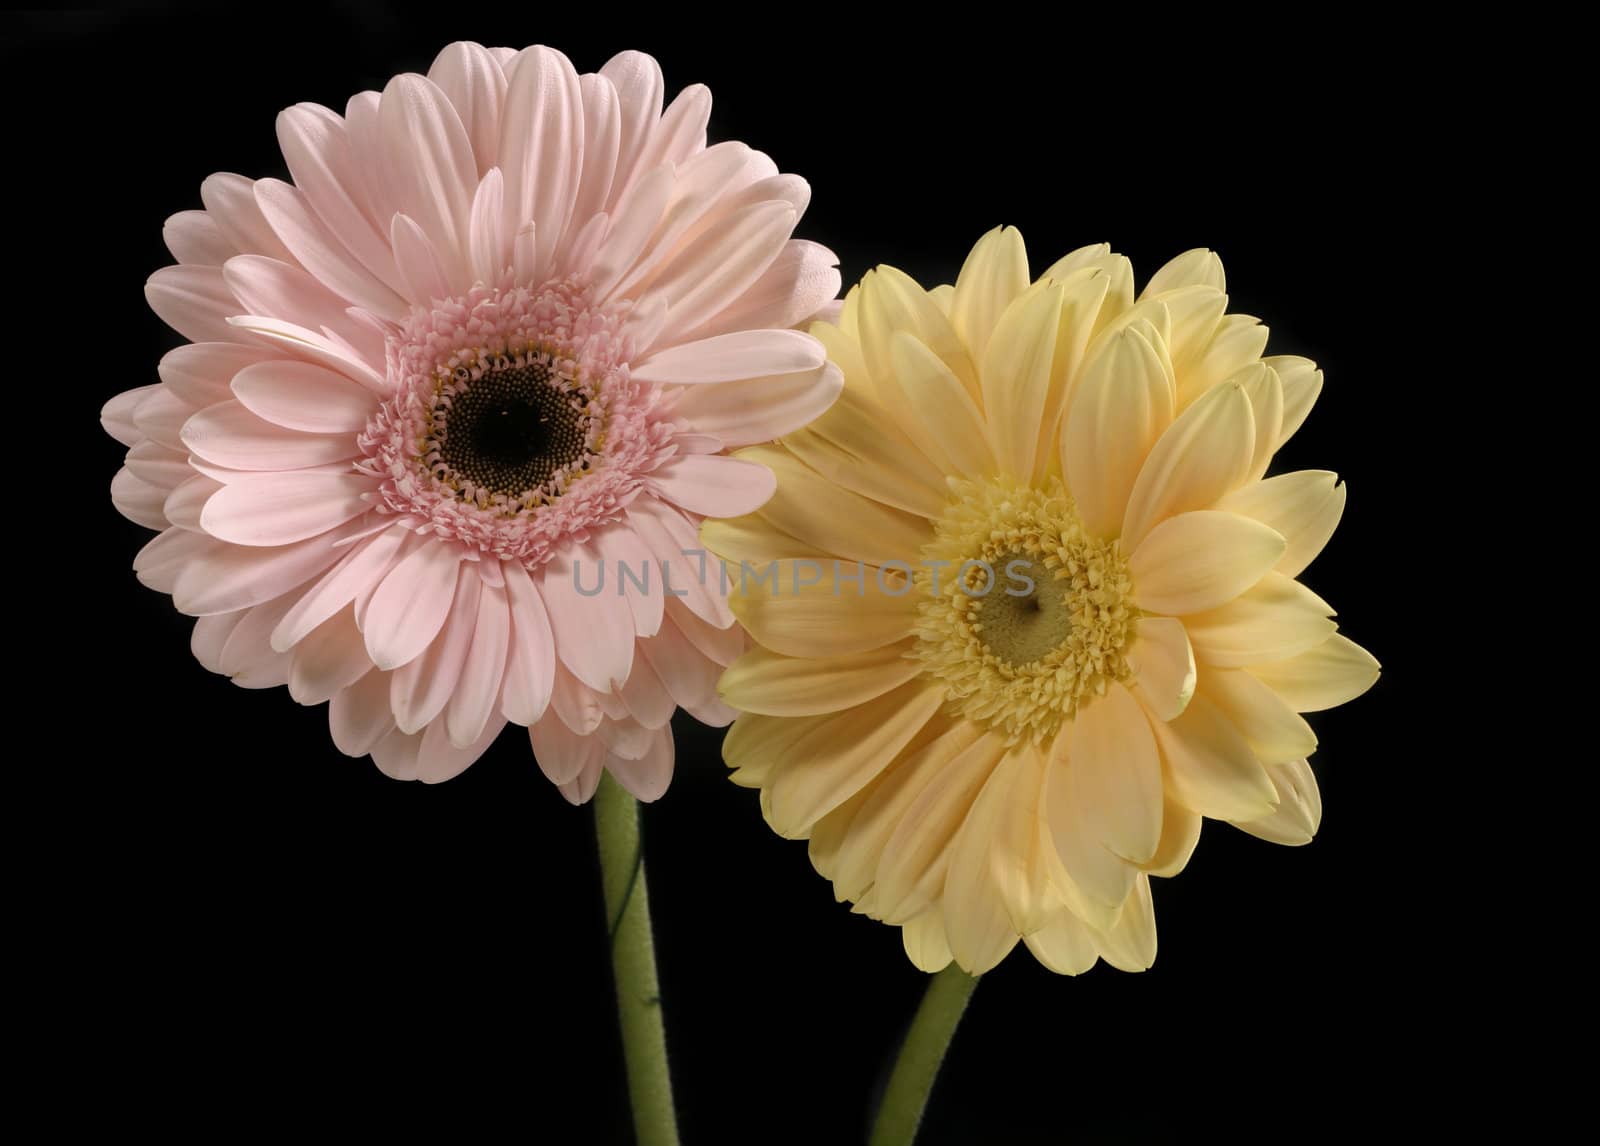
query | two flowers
[507, 321]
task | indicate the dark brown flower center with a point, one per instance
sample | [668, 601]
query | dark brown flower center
[509, 430]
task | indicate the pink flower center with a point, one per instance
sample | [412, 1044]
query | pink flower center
[514, 424]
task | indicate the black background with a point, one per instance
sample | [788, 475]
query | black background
[257, 931]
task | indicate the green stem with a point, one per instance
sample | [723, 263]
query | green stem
[633, 964]
[920, 1056]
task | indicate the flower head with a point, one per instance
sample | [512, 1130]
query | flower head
[1025, 606]
[486, 349]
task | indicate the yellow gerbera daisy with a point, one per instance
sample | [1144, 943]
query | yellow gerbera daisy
[1025, 606]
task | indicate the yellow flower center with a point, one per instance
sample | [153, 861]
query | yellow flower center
[1024, 614]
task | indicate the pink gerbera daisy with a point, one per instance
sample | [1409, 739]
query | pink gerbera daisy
[485, 350]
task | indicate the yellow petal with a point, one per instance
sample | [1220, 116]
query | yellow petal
[850, 313]
[1180, 832]
[1098, 873]
[837, 615]
[1163, 665]
[925, 942]
[995, 273]
[1274, 731]
[835, 519]
[756, 745]
[979, 927]
[1198, 267]
[754, 539]
[1210, 768]
[1200, 560]
[845, 352]
[1064, 945]
[892, 301]
[1304, 506]
[1016, 377]
[855, 446]
[1020, 843]
[1272, 621]
[1265, 391]
[841, 752]
[1194, 313]
[1331, 673]
[901, 784]
[1118, 409]
[1299, 812]
[1085, 302]
[912, 870]
[1115, 773]
[1130, 945]
[1202, 456]
[771, 683]
[948, 423]
[943, 297]
[1237, 341]
[1302, 382]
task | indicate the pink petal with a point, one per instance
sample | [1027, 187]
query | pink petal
[719, 267]
[332, 658]
[276, 509]
[277, 289]
[200, 372]
[637, 80]
[714, 486]
[541, 147]
[648, 777]
[160, 417]
[247, 656]
[194, 301]
[563, 755]
[209, 637]
[409, 608]
[359, 716]
[472, 704]
[487, 248]
[696, 583]
[760, 409]
[298, 342]
[138, 500]
[681, 131]
[475, 84]
[158, 465]
[194, 237]
[530, 661]
[230, 435]
[602, 138]
[421, 266]
[593, 635]
[231, 201]
[688, 674]
[429, 165]
[439, 760]
[633, 222]
[419, 689]
[321, 252]
[187, 501]
[397, 755]
[220, 578]
[301, 396]
[162, 560]
[366, 563]
[731, 357]
[630, 565]
[801, 280]
[116, 416]
[316, 146]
